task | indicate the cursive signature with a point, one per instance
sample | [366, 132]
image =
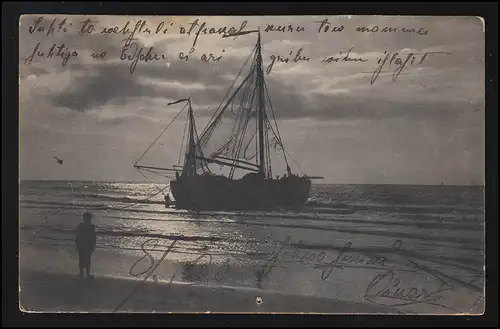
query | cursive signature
[150, 270]
[356, 261]
[401, 62]
[319, 260]
[275, 254]
[389, 286]
[192, 271]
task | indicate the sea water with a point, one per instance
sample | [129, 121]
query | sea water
[349, 242]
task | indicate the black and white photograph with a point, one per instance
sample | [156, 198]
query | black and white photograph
[252, 164]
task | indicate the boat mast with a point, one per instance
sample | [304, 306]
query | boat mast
[190, 154]
[261, 109]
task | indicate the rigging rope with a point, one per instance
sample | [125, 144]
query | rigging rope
[284, 149]
[156, 173]
[160, 190]
[216, 114]
[237, 148]
[238, 126]
[268, 153]
[150, 182]
[141, 201]
[277, 129]
[160, 135]
[211, 127]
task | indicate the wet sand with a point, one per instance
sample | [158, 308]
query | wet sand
[51, 292]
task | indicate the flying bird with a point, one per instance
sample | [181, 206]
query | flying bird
[58, 160]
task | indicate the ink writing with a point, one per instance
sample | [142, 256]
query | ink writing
[389, 286]
[87, 27]
[198, 29]
[401, 62]
[149, 270]
[133, 53]
[344, 259]
[325, 26]
[294, 57]
[53, 27]
[344, 58]
[60, 51]
[281, 253]
[284, 28]
[376, 28]
[210, 58]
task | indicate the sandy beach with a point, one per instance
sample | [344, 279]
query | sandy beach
[57, 287]
[423, 256]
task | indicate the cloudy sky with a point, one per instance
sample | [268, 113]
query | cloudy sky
[426, 127]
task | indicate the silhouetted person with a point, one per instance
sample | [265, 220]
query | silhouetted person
[85, 240]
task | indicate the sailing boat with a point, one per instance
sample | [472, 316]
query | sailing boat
[239, 136]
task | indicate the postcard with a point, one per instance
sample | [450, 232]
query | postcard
[260, 164]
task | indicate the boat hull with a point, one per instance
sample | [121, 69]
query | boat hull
[221, 193]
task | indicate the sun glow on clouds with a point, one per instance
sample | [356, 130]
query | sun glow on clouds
[172, 84]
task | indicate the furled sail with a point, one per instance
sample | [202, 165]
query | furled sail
[193, 159]
[232, 136]
[239, 135]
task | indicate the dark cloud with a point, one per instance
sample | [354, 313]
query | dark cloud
[286, 100]
[94, 90]
[109, 82]
[130, 119]
[112, 83]
[193, 71]
[290, 103]
[345, 107]
[432, 115]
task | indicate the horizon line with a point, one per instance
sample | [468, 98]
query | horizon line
[148, 182]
